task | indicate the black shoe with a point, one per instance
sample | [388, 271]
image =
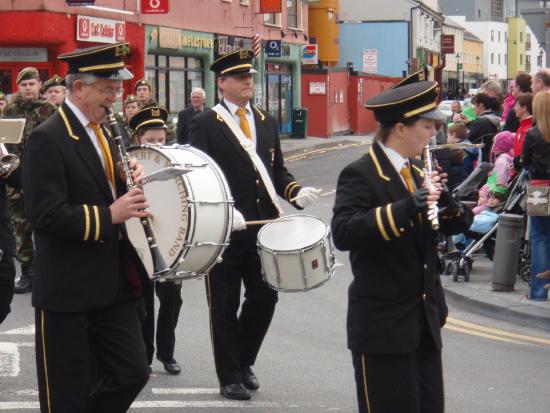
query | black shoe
[24, 285]
[234, 391]
[172, 367]
[250, 380]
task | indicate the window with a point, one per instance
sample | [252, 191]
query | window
[498, 36]
[173, 78]
[492, 35]
[244, 2]
[520, 59]
[272, 18]
[498, 58]
[506, 37]
[505, 58]
[292, 12]
[521, 37]
[492, 58]
[479, 13]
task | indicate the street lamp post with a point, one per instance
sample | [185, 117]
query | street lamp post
[477, 71]
[457, 75]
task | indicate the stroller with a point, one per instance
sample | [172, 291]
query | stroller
[459, 263]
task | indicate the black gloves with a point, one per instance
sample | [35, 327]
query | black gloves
[417, 202]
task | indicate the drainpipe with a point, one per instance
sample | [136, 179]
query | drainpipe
[411, 38]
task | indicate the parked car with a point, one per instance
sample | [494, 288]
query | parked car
[445, 107]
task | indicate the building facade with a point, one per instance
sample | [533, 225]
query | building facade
[173, 50]
[453, 72]
[423, 28]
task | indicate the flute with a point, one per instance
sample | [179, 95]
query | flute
[159, 265]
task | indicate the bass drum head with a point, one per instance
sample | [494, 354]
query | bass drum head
[169, 209]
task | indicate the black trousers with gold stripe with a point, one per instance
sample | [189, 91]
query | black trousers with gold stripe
[92, 362]
[404, 383]
[237, 339]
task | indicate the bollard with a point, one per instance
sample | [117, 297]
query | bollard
[507, 250]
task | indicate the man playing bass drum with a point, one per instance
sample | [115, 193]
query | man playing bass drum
[396, 304]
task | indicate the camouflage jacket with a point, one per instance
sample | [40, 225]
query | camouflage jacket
[35, 113]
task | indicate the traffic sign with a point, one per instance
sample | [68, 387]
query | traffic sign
[155, 6]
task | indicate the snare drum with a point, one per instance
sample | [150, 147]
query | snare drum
[191, 214]
[296, 252]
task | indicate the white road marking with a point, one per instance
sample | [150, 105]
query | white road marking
[27, 392]
[185, 391]
[212, 404]
[9, 360]
[171, 404]
[26, 331]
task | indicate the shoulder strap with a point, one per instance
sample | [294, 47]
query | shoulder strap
[250, 149]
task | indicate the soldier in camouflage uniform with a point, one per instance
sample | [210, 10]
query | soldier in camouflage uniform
[3, 102]
[29, 104]
[131, 107]
[54, 90]
[144, 93]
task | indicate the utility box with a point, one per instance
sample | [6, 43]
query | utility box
[299, 122]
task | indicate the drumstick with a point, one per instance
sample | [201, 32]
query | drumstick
[301, 196]
[267, 221]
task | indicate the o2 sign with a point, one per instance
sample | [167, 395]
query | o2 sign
[155, 6]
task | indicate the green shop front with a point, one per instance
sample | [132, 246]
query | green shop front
[280, 75]
[177, 61]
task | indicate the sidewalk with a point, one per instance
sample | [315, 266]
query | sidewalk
[477, 294]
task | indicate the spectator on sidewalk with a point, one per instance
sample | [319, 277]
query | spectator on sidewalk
[541, 81]
[522, 86]
[3, 102]
[483, 129]
[536, 159]
[509, 101]
[198, 97]
[523, 109]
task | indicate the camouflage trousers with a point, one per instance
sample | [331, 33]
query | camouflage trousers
[22, 230]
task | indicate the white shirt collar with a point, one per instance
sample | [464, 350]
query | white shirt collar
[78, 113]
[233, 108]
[397, 160]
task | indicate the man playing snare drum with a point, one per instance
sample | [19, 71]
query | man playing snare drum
[243, 140]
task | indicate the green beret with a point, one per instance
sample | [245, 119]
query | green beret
[142, 82]
[27, 73]
[130, 99]
[56, 80]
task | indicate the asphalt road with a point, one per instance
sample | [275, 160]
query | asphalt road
[304, 365]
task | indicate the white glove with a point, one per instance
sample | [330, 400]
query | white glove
[238, 223]
[306, 196]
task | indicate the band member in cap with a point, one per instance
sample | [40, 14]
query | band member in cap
[150, 127]
[89, 350]
[198, 96]
[396, 303]
[27, 103]
[54, 90]
[243, 140]
[144, 94]
[410, 79]
[3, 102]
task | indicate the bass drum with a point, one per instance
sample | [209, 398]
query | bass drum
[191, 213]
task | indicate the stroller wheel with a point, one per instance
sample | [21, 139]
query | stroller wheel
[455, 271]
[448, 267]
[525, 272]
[466, 270]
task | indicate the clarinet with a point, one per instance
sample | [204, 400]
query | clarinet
[159, 265]
[433, 209]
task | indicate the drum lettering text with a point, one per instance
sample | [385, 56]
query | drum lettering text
[178, 242]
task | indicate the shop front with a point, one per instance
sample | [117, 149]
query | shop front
[177, 61]
[45, 35]
[279, 83]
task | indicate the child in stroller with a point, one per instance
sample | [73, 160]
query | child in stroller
[457, 262]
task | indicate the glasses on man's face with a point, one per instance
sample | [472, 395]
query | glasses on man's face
[109, 91]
